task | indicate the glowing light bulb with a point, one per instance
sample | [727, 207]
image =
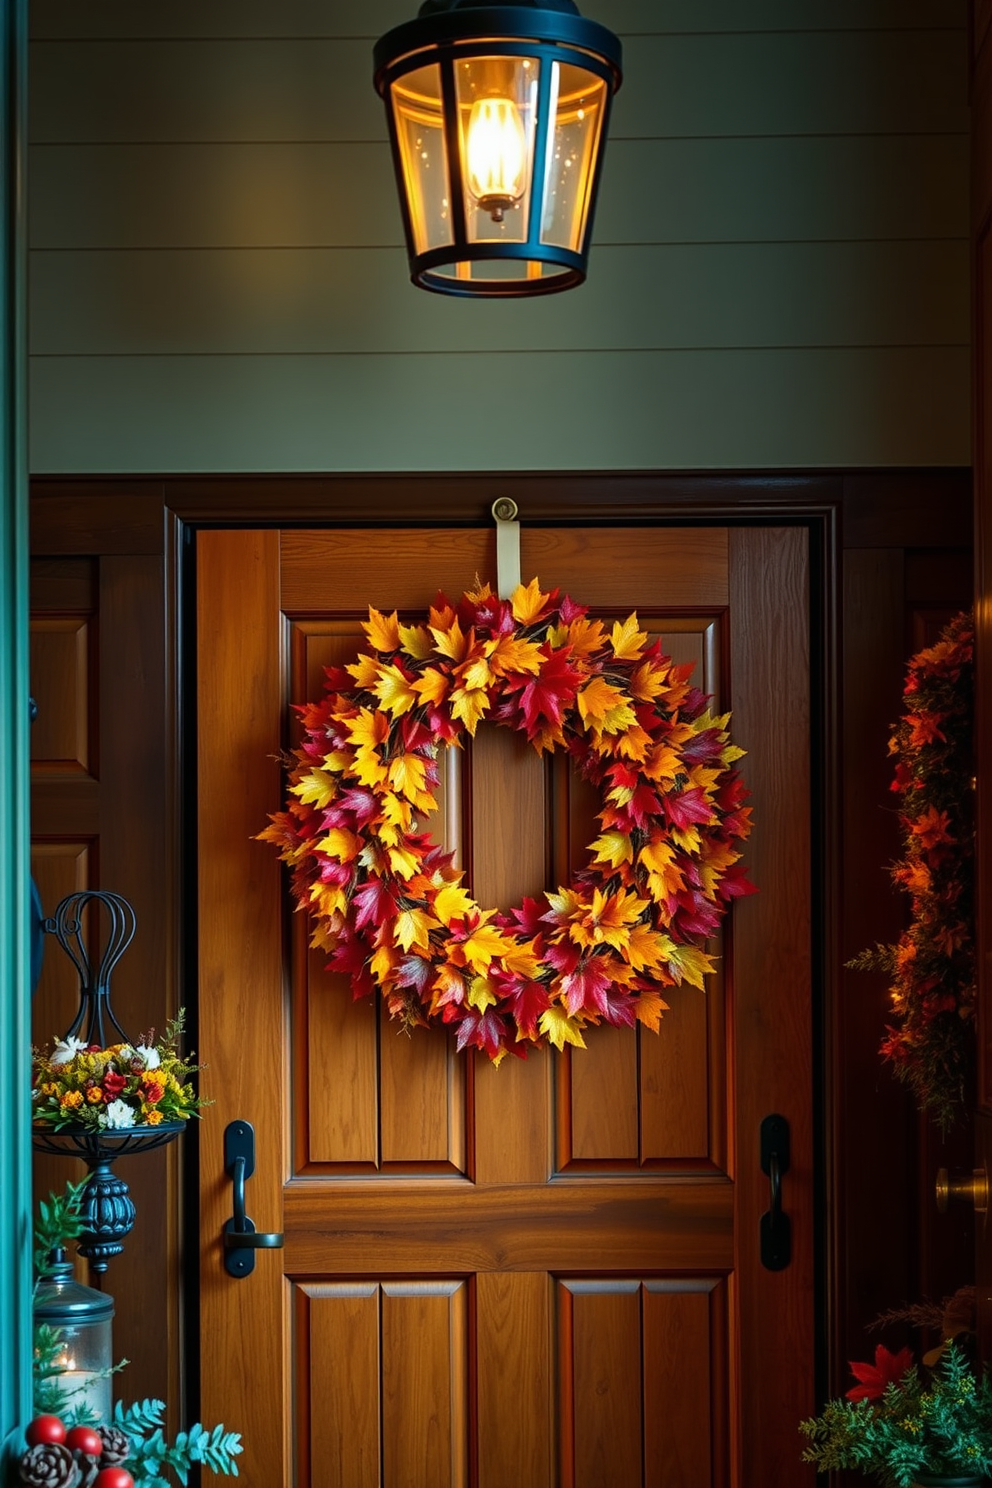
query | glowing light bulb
[496, 155]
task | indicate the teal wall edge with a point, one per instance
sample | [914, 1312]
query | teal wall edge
[15, 1170]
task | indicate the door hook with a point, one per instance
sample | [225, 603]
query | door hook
[241, 1239]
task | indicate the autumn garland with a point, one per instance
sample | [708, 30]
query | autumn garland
[932, 966]
[388, 905]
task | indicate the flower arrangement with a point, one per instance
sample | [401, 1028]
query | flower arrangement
[388, 905]
[896, 1424]
[932, 966]
[77, 1084]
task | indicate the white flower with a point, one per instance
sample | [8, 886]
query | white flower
[66, 1050]
[119, 1115]
[148, 1056]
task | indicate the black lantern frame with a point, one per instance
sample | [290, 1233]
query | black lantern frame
[450, 34]
[107, 1211]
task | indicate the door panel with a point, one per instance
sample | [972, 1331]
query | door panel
[545, 1274]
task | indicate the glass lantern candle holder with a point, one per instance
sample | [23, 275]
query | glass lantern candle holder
[77, 1320]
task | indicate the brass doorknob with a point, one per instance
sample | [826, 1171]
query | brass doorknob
[970, 1187]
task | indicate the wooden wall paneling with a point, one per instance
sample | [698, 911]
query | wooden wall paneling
[113, 302]
[790, 407]
[61, 19]
[766, 83]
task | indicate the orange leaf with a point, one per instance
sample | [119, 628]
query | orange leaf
[382, 630]
[649, 1008]
[528, 602]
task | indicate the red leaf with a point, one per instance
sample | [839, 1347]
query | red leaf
[374, 904]
[527, 1001]
[548, 694]
[888, 1369]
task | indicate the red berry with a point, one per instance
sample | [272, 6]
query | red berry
[45, 1429]
[85, 1439]
[113, 1477]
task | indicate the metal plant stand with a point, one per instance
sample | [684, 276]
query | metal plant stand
[108, 1212]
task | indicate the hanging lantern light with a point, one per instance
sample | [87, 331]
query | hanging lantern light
[497, 118]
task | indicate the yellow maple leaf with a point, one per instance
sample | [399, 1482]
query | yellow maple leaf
[608, 919]
[316, 788]
[481, 993]
[337, 760]
[565, 903]
[617, 720]
[689, 964]
[325, 899]
[394, 691]
[613, 848]
[407, 773]
[416, 641]
[341, 844]
[634, 743]
[731, 753]
[482, 946]
[382, 630]
[662, 762]
[510, 653]
[432, 686]
[665, 877]
[475, 673]
[448, 986]
[397, 812]
[627, 640]
[367, 729]
[383, 963]
[557, 1026]
[522, 960]
[584, 636]
[403, 861]
[365, 670]
[453, 903]
[451, 641]
[412, 927]
[368, 768]
[470, 705]
[527, 602]
[598, 698]
[687, 838]
[649, 681]
[649, 1008]
[646, 947]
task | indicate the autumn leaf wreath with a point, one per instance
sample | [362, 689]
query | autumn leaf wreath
[389, 906]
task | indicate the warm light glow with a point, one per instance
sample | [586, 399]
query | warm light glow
[496, 155]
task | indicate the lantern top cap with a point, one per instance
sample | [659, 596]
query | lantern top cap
[459, 23]
[437, 7]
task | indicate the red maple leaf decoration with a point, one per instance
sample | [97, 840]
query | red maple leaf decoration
[888, 1369]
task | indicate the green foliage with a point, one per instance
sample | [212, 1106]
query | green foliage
[944, 1426]
[151, 1454]
[59, 1221]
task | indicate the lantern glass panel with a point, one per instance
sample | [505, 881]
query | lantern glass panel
[419, 123]
[497, 114]
[578, 107]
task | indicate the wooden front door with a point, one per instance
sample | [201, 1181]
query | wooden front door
[545, 1275]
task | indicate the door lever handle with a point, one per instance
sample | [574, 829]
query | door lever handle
[776, 1227]
[241, 1239]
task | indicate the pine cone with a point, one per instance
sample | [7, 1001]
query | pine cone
[89, 1468]
[116, 1446]
[48, 1465]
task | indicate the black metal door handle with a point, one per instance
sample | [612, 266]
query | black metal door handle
[776, 1227]
[241, 1239]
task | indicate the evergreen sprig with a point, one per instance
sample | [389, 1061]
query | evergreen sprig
[59, 1221]
[944, 1426]
[151, 1454]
